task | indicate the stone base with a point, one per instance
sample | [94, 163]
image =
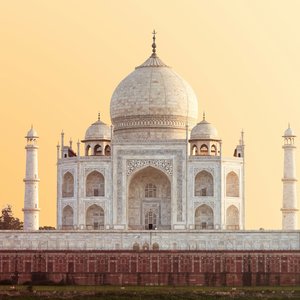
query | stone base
[179, 227]
[204, 268]
[119, 227]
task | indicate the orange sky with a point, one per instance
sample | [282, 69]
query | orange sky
[61, 60]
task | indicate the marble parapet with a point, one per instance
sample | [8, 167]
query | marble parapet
[164, 239]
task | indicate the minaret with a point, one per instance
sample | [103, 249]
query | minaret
[31, 199]
[289, 200]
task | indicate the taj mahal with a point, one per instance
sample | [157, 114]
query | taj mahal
[157, 169]
[151, 200]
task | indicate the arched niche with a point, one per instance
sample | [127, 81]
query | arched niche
[97, 150]
[95, 217]
[232, 218]
[67, 218]
[155, 199]
[95, 184]
[232, 185]
[194, 150]
[155, 246]
[87, 150]
[203, 150]
[204, 184]
[204, 217]
[213, 150]
[136, 247]
[107, 150]
[68, 185]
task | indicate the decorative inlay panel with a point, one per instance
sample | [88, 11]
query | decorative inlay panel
[91, 169]
[160, 121]
[210, 170]
[163, 164]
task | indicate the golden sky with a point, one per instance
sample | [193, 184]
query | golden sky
[61, 60]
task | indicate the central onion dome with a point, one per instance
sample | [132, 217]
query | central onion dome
[152, 103]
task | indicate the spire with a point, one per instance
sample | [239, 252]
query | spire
[153, 60]
[204, 116]
[62, 143]
[242, 138]
[78, 148]
[154, 44]
[98, 117]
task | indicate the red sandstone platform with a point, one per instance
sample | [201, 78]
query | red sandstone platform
[213, 268]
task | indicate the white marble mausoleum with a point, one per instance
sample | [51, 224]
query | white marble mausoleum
[156, 178]
[157, 167]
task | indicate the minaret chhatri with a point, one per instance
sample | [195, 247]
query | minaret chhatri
[289, 200]
[31, 200]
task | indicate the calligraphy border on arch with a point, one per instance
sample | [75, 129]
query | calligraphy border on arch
[165, 165]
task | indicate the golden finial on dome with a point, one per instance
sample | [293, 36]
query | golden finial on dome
[98, 116]
[204, 116]
[154, 44]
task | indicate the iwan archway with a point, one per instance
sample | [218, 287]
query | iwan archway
[149, 200]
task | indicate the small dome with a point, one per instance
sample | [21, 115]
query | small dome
[98, 131]
[204, 131]
[289, 132]
[32, 133]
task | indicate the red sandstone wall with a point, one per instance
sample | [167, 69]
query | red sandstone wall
[214, 268]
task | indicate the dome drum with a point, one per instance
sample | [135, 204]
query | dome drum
[205, 148]
[166, 126]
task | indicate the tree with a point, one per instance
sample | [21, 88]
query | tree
[46, 228]
[8, 221]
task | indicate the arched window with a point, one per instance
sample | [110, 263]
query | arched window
[150, 191]
[232, 185]
[232, 218]
[136, 247]
[155, 246]
[68, 185]
[195, 150]
[141, 199]
[95, 184]
[150, 220]
[145, 246]
[107, 150]
[67, 218]
[97, 150]
[213, 150]
[204, 217]
[203, 150]
[204, 184]
[95, 217]
[88, 150]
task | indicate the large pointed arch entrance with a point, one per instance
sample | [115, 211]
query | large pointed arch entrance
[149, 200]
